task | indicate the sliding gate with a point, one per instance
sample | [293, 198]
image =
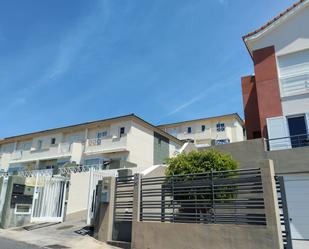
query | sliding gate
[49, 199]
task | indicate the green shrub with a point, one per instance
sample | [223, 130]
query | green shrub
[199, 162]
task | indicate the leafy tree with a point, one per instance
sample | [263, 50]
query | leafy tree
[199, 162]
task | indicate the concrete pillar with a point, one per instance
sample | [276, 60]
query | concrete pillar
[37, 164]
[136, 206]
[104, 211]
[271, 202]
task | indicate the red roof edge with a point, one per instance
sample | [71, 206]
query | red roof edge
[274, 19]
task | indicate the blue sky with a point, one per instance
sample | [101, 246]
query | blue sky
[68, 62]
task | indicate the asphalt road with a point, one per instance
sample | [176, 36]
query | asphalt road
[11, 244]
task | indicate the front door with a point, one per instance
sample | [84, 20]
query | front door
[298, 131]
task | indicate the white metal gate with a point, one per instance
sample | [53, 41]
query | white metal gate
[95, 177]
[49, 199]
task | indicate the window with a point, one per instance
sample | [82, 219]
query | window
[222, 141]
[203, 127]
[24, 145]
[122, 131]
[294, 73]
[22, 209]
[298, 131]
[102, 134]
[39, 144]
[92, 161]
[189, 129]
[53, 141]
[220, 127]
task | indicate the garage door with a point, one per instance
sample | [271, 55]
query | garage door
[297, 193]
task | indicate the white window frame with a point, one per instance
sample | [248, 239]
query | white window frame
[53, 139]
[24, 213]
[102, 134]
[220, 126]
[124, 131]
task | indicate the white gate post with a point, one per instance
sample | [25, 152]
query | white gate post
[35, 196]
[91, 175]
[64, 199]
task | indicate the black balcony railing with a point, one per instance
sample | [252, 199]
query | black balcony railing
[296, 141]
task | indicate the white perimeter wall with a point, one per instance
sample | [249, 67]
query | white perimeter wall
[78, 192]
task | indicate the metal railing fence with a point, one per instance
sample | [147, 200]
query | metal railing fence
[295, 141]
[124, 198]
[218, 197]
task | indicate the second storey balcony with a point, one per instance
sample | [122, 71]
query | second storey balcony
[54, 151]
[106, 145]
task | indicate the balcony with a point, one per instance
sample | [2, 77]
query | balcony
[283, 143]
[54, 151]
[106, 145]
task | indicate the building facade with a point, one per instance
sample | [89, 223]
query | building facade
[276, 97]
[276, 107]
[208, 131]
[128, 138]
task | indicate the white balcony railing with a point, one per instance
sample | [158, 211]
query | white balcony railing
[108, 144]
[62, 149]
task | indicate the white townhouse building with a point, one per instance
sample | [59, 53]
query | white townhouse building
[127, 138]
[276, 104]
[276, 97]
[208, 131]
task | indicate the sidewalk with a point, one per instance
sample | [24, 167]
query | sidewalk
[58, 236]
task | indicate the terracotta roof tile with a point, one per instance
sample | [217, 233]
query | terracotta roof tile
[274, 19]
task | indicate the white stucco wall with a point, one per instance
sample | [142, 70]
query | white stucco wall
[46, 140]
[140, 142]
[233, 131]
[295, 105]
[77, 152]
[74, 136]
[290, 36]
[78, 192]
[6, 151]
[4, 161]
[173, 147]
[112, 130]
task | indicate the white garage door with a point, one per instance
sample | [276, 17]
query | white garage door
[297, 193]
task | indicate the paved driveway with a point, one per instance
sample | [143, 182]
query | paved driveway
[11, 244]
[63, 235]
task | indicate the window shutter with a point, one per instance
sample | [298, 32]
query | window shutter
[294, 73]
[278, 133]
